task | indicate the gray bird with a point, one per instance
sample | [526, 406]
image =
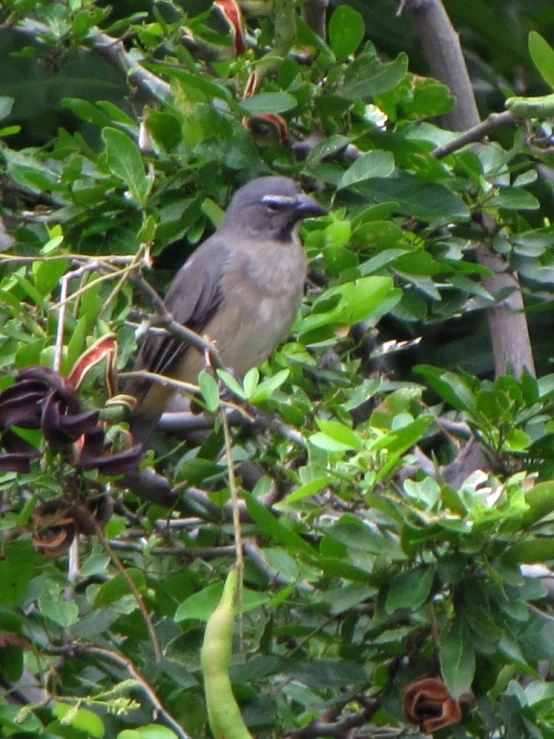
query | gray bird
[242, 288]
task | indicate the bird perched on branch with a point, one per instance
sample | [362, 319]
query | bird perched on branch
[242, 289]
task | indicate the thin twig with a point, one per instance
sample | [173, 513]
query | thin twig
[191, 554]
[239, 553]
[166, 319]
[341, 728]
[89, 268]
[135, 674]
[476, 133]
[61, 307]
[133, 588]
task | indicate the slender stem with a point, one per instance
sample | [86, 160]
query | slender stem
[144, 684]
[133, 588]
[476, 133]
[314, 14]
[235, 505]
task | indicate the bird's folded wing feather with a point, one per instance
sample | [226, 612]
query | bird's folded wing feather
[193, 298]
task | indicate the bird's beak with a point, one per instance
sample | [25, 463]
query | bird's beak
[308, 208]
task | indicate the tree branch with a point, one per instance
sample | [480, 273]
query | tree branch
[135, 674]
[321, 727]
[314, 14]
[507, 322]
[441, 45]
[114, 53]
[476, 133]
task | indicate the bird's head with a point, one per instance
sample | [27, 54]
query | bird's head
[270, 207]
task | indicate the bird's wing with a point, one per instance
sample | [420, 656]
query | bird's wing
[193, 298]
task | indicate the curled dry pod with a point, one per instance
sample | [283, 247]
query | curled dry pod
[428, 704]
[53, 528]
[56, 523]
[92, 515]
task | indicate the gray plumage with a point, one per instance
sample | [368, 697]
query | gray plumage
[242, 288]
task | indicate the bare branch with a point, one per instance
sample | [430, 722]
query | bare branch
[507, 321]
[474, 134]
[314, 14]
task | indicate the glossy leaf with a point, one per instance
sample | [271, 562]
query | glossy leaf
[457, 658]
[542, 55]
[125, 163]
[346, 31]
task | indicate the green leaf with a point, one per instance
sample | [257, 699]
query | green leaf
[327, 147]
[356, 535]
[80, 719]
[16, 572]
[457, 658]
[150, 731]
[427, 201]
[304, 491]
[209, 390]
[448, 386]
[368, 76]
[361, 300]
[515, 198]
[117, 588]
[337, 234]
[270, 526]
[540, 500]
[268, 102]
[125, 163]
[342, 434]
[542, 55]
[328, 444]
[48, 274]
[428, 99]
[373, 164]
[266, 388]
[532, 551]
[195, 81]
[53, 606]
[86, 111]
[251, 380]
[409, 589]
[346, 31]
[201, 605]
[228, 380]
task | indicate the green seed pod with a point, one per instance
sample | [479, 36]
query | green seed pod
[533, 107]
[224, 715]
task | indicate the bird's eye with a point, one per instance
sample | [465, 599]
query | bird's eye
[277, 203]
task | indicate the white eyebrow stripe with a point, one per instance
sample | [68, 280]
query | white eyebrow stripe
[278, 200]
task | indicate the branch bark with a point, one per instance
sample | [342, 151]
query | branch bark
[507, 322]
[314, 14]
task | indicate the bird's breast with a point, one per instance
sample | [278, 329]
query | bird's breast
[263, 293]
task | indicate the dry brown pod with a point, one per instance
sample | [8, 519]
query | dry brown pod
[56, 522]
[428, 704]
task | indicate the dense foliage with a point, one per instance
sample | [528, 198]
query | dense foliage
[391, 464]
